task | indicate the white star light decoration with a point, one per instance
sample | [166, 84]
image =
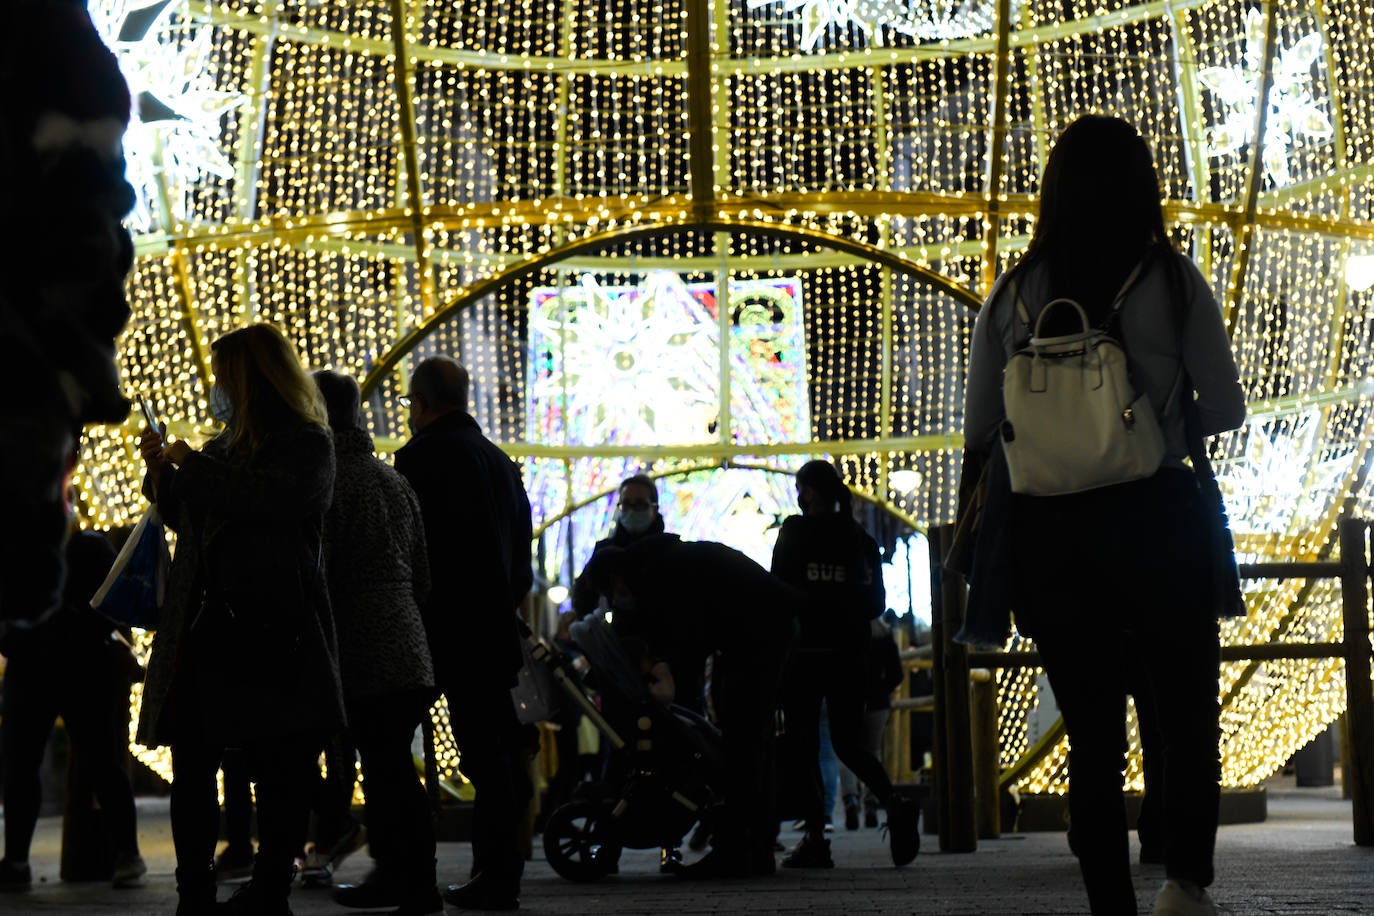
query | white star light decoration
[177, 107]
[1293, 110]
[635, 368]
[1276, 487]
[922, 19]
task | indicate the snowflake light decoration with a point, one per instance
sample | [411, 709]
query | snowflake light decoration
[927, 20]
[1293, 110]
[1276, 488]
[640, 365]
[176, 124]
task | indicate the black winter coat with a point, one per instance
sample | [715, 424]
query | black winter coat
[836, 564]
[247, 644]
[693, 598]
[478, 531]
[584, 594]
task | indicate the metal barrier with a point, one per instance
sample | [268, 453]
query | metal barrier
[964, 746]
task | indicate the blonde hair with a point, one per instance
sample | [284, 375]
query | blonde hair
[262, 374]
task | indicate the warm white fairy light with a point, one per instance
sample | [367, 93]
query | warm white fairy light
[532, 131]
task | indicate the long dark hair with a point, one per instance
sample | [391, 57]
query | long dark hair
[822, 476]
[1100, 211]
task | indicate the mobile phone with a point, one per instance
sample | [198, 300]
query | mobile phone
[149, 415]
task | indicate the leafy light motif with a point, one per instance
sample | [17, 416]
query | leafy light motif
[176, 125]
[1294, 113]
[1276, 487]
[927, 20]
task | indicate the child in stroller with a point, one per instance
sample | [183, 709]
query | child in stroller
[665, 770]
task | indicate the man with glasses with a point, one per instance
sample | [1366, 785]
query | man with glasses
[477, 530]
[636, 517]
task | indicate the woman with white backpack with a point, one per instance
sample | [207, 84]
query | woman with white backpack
[1107, 538]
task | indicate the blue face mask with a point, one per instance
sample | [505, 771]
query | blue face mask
[636, 521]
[220, 406]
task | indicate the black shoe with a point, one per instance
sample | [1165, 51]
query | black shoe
[421, 904]
[669, 858]
[482, 893]
[252, 900]
[372, 894]
[15, 877]
[811, 852]
[870, 817]
[903, 830]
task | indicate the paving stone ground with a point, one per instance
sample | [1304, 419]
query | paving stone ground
[1302, 860]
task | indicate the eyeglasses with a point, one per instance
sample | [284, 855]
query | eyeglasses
[636, 505]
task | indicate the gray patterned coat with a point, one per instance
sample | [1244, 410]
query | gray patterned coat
[378, 572]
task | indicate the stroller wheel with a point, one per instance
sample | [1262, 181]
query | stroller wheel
[578, 842]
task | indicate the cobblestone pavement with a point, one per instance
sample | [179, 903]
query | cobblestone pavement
[1302, 860]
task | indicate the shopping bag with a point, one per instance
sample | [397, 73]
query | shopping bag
[133, 591]
[535, 694]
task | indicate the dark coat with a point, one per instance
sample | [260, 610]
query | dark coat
[378, 572]
[584, 594]
[246, 644]
[836, 563]
[478, 531]
[693, 598]
[74, 625]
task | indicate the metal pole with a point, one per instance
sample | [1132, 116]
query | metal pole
[1359, 697]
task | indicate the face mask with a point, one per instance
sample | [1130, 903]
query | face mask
[221, 408]
[636, 521]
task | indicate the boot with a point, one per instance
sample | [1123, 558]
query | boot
[195, 892]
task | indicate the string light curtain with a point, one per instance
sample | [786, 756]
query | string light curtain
[388, 179]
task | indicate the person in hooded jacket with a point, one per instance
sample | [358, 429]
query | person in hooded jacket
[827, 554]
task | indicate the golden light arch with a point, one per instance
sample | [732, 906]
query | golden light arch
[309, 179]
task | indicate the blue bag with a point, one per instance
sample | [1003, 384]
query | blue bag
[132, 592]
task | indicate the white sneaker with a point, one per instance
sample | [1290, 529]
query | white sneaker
[129, 873]
[1183, 898]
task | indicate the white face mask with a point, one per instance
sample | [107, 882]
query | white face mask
[637, 521]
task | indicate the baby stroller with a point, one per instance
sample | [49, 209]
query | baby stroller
[665, 771]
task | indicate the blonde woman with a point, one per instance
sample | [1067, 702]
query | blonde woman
[246, 655]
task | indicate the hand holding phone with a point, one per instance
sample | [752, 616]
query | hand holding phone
[150, 416]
